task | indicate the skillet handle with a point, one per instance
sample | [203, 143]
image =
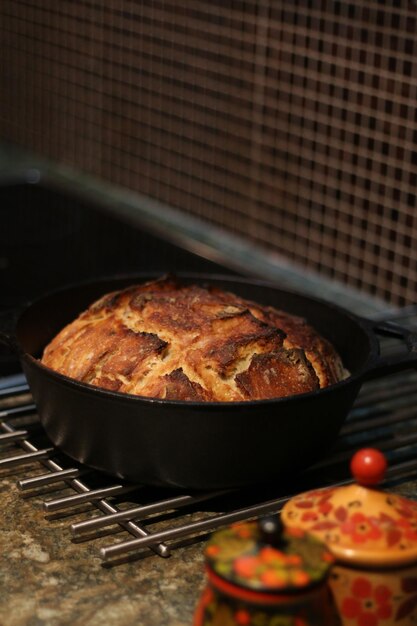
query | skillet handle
[382, 366]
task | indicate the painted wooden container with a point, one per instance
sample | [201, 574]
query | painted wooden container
[373, 536]
[258, 575]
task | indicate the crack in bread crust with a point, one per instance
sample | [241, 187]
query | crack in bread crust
[187, 342]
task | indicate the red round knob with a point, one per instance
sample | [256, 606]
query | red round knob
[368, 466]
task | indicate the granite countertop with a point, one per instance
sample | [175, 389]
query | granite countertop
[48, 579]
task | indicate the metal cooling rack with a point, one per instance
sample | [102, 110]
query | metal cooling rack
[384, 415]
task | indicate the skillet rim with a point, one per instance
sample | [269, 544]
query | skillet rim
[362, 323]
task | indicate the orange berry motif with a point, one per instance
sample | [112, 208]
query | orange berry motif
[268, 554]
[246, 566]
[242, 617]
[301, 578]
[296, 532]
[272, 578]
[212, 550]
[242, 530]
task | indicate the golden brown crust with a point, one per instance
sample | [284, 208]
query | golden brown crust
[282, 373]
[187, 342]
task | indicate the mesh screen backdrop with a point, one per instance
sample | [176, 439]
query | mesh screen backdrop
[292, 123]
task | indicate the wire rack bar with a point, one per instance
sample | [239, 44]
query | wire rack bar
[79, 486]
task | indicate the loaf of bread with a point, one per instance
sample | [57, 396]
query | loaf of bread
[164, 339]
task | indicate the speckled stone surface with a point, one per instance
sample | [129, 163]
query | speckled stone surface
[46, 579]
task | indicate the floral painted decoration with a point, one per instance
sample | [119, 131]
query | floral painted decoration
[375, 597]
[240, 555]
[366, 603]
[359, 523]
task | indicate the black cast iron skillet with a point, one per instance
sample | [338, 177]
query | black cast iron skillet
[196, 444]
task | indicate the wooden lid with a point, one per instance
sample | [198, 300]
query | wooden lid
[258, 556]
[360, 524]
